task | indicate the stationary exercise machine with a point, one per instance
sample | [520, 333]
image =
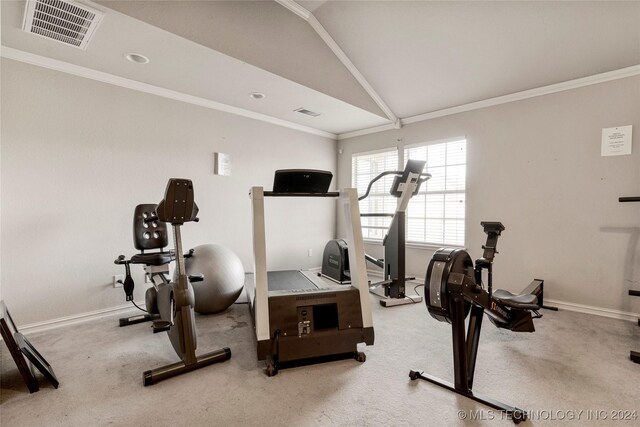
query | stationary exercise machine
[150, 237]
[147, 236]
[300, 317]
[335, 262]
[453, 290]
[633, 355]
[174, 301]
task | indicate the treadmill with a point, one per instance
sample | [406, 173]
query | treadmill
[299, 316]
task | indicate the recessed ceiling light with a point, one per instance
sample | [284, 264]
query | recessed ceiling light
[258, 95]
[137, 58]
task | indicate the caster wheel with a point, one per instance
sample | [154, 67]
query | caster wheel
[518, 416]
[271, 367]
[360, 356]
[271, 370]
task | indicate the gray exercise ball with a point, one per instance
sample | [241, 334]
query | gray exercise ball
[223, 277]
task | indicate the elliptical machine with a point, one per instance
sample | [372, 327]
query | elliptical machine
[453, 289]
[335, 260]
[171, 304]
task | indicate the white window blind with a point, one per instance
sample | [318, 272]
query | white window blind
[364, 168]
[436, 214]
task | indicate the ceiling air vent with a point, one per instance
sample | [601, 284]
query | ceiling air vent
[307, 112]
[67, 22]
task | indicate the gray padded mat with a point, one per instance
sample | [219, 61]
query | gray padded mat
[288, 280]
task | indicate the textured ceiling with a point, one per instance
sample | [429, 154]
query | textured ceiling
[425, 56]
[261, 33]
[418, 56]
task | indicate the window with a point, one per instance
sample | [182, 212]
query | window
[436, 214]
[365, 167]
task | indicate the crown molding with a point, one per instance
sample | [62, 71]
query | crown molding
[517, 96]
[295, 8]
[53, 64]
[76, 70]
[331, 43]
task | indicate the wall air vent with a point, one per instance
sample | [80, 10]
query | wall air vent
[67, 22]
[307, 112]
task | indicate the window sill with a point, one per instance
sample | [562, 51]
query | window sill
[416, 245]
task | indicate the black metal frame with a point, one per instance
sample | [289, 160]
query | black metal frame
[634, 356]
[460, 294]
[8, 330]
[24, 354]
[465, 352]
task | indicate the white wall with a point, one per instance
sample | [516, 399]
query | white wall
[78, 155]
[535, 165]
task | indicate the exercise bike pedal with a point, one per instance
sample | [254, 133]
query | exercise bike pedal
[161, 326]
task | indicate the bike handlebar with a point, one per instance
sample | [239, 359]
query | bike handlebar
[422, 178]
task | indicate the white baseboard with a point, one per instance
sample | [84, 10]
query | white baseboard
[97, 314]
[76, 318]
[569, 306]
[598, 311]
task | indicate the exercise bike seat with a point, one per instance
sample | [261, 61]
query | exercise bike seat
[522, 301]
[155, 258]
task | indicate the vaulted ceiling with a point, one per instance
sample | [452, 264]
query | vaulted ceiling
[360, 64]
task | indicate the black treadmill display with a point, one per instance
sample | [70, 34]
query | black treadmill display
[301, 181]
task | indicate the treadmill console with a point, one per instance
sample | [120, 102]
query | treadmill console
[413, 166]
[301, 181]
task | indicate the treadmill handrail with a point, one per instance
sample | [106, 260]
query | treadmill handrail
[373, 181]
[279, 194]
[629, 199]
[374, 215]
[424, 176]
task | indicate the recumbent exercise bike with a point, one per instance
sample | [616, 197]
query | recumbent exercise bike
[149, 234]
[453, 289]
[170, 305]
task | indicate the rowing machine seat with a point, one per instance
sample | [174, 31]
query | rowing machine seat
[522, 301]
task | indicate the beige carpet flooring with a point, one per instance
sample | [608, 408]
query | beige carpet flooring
[573, 362]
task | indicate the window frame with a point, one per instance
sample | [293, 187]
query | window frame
[354, 180]
[424, 190]
[402, 159]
